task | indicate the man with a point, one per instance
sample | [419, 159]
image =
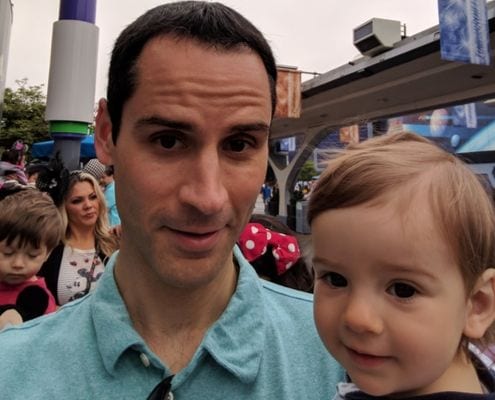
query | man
[95, 168]
[266, 192]
[108, 184]
[190, 101]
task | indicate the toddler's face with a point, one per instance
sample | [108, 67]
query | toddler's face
[390, 301]
[18, 264]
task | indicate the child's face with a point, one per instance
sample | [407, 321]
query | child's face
[18, 264]
[390, 303]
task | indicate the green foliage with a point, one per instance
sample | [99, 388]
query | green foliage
[307, 171]
[23, 115]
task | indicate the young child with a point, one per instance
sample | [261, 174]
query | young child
[30, 227]
[274, 250]
[404, 255]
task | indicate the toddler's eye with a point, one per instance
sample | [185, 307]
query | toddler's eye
[335, 279]
[402, 290]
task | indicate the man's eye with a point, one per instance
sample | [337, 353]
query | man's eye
[335, 279]
[237, 145]
[168, 141]
[402, 290]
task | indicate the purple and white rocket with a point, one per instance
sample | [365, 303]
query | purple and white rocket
[72, 79]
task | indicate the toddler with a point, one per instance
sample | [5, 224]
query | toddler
[30, 227]
[404, 255]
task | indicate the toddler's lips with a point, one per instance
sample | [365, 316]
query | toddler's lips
[14, 278]
[366, 360]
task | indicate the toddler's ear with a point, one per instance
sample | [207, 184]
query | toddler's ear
[481, 306]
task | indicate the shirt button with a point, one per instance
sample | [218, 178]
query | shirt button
[144, 359]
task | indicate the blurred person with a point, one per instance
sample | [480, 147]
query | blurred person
[10, 169]
[266, 194]
[95, 168]
[108, 184]
[32, 172]
[21, 149]
[77, 263]
[274, 250]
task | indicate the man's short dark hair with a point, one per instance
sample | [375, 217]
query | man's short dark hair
[212, 24]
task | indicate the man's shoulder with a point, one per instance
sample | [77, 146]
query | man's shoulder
[47, 333]
[286, 307]
[286, 296]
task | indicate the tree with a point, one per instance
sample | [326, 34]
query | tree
[307, 171]
[23, 115]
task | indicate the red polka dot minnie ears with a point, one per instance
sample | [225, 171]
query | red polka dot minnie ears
[254, 242]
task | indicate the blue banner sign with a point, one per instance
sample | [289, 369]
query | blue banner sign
[464, 31]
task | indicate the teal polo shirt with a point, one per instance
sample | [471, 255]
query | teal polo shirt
[263, 346]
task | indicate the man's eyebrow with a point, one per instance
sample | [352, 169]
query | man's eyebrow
[252, 127]
[159, 121]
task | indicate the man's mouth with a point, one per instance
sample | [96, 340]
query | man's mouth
[196, 241]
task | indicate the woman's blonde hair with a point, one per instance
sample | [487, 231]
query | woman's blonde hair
[105, 241]
[375, 170]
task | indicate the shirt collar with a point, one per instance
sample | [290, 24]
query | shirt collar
[114, 331]
[235, 341]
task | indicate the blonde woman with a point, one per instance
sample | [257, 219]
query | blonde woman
[76, 264]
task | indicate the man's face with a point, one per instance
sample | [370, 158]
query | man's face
[189, 160]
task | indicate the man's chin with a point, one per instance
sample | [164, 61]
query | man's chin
[194, 271]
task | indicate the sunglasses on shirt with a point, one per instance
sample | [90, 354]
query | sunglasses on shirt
[162, 390]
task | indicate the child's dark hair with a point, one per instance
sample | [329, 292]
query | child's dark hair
[31, 217]
[298, 276]
[11, 156]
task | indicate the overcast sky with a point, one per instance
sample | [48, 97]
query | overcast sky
[314, 35]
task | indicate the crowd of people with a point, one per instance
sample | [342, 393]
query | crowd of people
[171, 304]
[72, 264]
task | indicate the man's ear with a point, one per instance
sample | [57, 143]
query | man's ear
[481, 306]
[103, 134]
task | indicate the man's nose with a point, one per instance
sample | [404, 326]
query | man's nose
[204, 187]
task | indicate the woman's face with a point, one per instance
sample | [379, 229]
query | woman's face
[82, 205]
